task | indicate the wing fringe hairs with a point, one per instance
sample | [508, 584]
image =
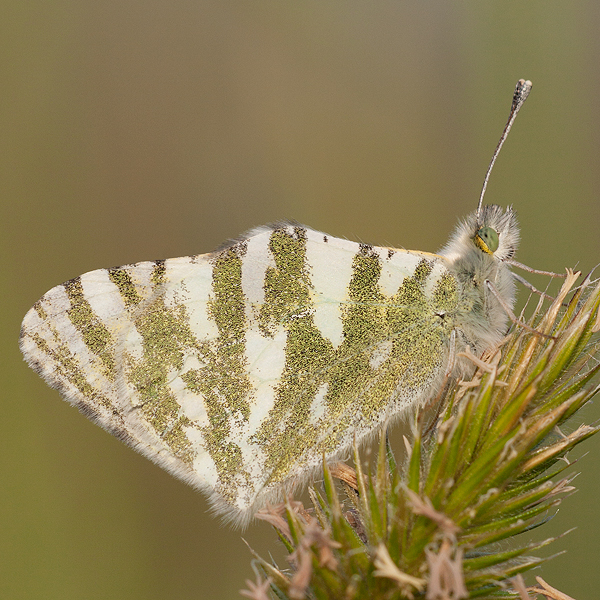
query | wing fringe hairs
[489, 468]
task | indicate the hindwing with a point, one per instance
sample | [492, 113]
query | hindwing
[237, 370]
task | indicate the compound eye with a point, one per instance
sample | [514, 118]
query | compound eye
[487, 239]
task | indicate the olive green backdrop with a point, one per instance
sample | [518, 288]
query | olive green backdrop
[135, 130]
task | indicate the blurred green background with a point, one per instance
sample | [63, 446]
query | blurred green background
[137, 130]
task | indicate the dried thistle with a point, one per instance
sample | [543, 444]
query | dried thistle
[488, 468]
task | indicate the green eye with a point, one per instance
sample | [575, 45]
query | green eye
[487, 240]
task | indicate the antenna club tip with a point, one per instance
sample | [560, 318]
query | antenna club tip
[522, 91]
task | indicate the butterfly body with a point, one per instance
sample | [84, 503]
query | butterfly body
[238, 370]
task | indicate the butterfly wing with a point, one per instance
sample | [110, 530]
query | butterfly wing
[237, 370]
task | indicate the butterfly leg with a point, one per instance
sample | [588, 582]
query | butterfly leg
[511, 314]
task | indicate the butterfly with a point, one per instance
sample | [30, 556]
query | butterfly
[238, 370]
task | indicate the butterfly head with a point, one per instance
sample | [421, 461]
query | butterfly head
[491, 233]
[495, 231]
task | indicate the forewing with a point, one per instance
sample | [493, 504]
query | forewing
[98, 339]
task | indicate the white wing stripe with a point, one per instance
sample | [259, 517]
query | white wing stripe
[104, 298]
[330, 274]
[193, 289]
[438, 270]
[255, 262]
[395, 269]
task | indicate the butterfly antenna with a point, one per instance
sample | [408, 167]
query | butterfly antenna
[521, 92]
